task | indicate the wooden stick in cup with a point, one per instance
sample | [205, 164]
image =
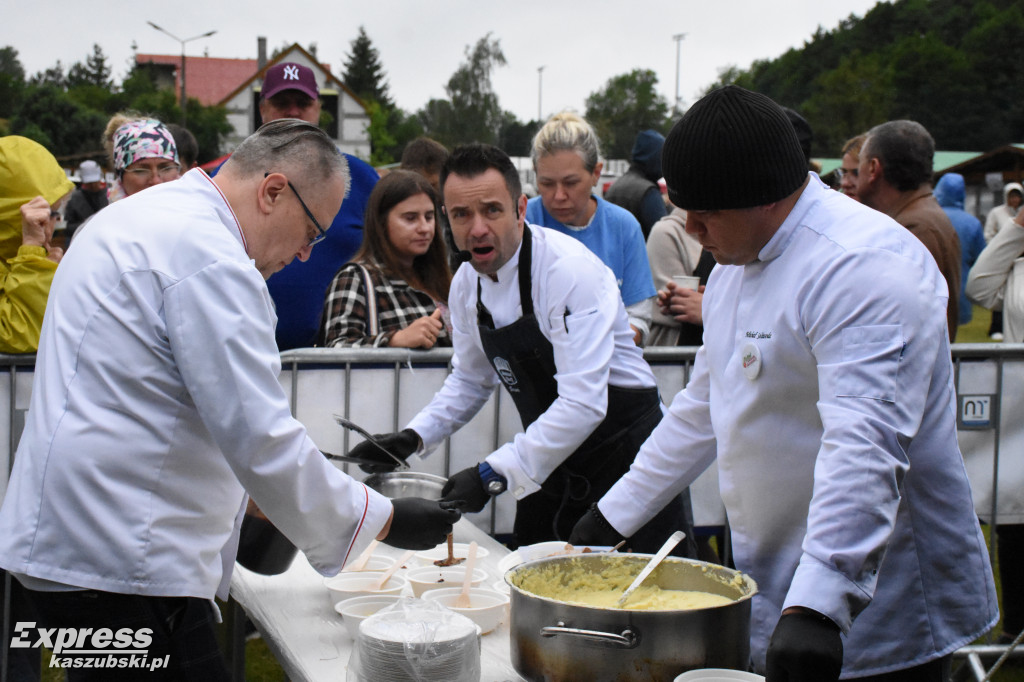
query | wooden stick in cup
[462, 601]
[360, 563]
[391, 571]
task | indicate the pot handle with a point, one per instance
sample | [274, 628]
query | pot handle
[627, 639]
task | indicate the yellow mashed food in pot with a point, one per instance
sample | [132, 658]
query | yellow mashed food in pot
[602, 590]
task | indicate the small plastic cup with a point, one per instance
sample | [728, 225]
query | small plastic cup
[686, 281]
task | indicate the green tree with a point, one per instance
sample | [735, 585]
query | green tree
[437, 120]
[405, 128]
[472, 112]
[12, 81]
[947, 107]
[209, 125]
[53, 119]
[52, 76]
[364, 73]
[93, 72]
[627, 104]
[730, 75]
[139, 81]
[993, 46]
[849, 100]
[381, 141]
[365, 76]
[948, 64]
[516, 137]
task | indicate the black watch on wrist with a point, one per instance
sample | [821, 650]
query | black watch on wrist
[494, 483]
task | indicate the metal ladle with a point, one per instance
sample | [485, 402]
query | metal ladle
[672, 541]
[402, 464]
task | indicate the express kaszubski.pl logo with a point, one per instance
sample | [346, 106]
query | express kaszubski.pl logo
[89, 647]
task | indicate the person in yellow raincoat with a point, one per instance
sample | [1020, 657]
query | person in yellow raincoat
[33, 186]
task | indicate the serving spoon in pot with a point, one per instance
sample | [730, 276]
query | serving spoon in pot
[672, 541]
[348, 424]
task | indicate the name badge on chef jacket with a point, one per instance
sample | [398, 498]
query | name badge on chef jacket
[750, 356]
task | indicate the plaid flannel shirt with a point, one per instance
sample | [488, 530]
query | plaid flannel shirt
[398, 305]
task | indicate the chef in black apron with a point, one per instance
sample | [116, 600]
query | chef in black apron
[572, 335]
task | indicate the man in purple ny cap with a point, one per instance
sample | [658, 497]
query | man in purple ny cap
[290, 90]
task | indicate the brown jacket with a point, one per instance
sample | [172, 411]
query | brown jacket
[921, 214]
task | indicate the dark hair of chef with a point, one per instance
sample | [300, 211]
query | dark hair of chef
[472, 160]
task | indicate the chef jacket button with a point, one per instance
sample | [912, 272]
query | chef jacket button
[518, 492]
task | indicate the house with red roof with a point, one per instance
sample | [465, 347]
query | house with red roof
[235, 84]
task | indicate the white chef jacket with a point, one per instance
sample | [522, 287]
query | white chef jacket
[825, 388]
[579, 310]
[156, 406]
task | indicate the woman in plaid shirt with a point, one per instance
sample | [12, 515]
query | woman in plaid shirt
[404, 259]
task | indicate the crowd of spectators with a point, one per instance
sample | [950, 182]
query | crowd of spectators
[381, 272]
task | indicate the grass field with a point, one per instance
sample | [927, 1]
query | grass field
[260, 665]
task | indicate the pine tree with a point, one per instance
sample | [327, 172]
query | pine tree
[364, 73]
[12, 82]
[94, 72]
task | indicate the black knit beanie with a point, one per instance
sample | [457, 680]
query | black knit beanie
[732, 149]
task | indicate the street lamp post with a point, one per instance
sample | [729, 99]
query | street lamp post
[679, 39]
[540, 77]
[184, 116]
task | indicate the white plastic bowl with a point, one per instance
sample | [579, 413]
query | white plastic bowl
[501, 587]
[355, 610]
[432, 577]
[459, 549]
[359, 583]
[718, 675]
[487, 608]
[542, 550]
[374, 563]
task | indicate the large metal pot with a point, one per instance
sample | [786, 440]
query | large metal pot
[397, 484]
[553, 640]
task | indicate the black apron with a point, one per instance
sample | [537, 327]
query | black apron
[525, 362]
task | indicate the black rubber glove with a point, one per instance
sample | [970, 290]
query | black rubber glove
[401, 444]
[805, 647]
[419, 523]
[466, 488]
[594, 530]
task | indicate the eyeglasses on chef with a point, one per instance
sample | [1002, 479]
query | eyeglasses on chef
[321, 234]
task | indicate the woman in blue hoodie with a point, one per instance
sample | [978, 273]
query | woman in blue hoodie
[949, 192]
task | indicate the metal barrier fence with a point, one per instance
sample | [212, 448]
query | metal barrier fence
[382, 389]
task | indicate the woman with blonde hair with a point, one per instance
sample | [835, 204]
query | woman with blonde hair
[566, 157]
[395, 290]
[142, 153]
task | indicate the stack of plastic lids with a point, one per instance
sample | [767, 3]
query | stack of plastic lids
[418, 641]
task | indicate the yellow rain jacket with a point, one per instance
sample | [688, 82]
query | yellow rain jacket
[27, 170]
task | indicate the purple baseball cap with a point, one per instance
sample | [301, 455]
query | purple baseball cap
[289, 76]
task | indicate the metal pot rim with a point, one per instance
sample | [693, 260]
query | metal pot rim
[749, 584]
[404, 476]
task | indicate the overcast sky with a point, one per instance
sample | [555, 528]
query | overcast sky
[581, 45]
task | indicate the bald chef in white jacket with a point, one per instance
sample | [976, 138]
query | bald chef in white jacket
[825, 390]
[156, 407]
